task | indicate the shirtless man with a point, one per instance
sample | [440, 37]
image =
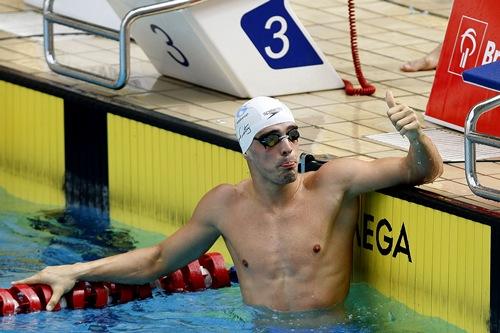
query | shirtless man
[290, 235]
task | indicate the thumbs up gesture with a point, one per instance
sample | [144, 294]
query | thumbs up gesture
[403, 118]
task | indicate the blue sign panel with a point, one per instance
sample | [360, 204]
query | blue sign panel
[277, 37]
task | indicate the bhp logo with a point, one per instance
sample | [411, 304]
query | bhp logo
[468, 42]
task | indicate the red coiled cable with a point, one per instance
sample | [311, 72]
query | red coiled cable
[366, 88]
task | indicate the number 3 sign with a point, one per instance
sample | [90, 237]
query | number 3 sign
[277, 37]
[245, 48]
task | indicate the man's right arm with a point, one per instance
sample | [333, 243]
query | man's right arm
[142, 265]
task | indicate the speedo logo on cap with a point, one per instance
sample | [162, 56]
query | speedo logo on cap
[271, 113]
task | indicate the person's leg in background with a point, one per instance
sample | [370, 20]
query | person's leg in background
[426, 63]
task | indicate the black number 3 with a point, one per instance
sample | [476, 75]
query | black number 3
[183, 61]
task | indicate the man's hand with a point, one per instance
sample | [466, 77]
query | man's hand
[403, 118]
[59, 278]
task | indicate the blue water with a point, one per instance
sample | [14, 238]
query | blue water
[33, 236]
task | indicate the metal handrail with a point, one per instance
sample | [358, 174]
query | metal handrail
[472, 138]
[122, 36]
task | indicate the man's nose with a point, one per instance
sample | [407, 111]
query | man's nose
[285, 147]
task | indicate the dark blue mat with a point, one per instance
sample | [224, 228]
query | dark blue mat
[487, 76]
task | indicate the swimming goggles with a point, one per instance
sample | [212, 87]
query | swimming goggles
[272, 139]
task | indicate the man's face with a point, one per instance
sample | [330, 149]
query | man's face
[276, 163]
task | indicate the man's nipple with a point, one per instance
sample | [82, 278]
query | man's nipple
[244, 262]
[316, 248]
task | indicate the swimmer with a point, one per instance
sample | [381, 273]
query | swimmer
[290, 235]
[427, 63]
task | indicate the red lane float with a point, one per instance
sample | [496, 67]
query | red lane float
[87, 294]
[208, 271]
[193, 276]
[214, 263]
[26, 298]
[8, 304]
[174, 282]
[44, 293]
[123, 293]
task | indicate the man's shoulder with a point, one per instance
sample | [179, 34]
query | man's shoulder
[338, 172]
[223, 190]
[225, 193]
[335, 168]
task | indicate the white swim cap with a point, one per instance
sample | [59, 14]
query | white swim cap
[256, 114]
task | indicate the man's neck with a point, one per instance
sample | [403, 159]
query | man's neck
[271, 194]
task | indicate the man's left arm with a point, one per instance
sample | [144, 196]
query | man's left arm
[423, 162]
[421, 165]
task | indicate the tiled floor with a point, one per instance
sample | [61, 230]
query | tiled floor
[333, 123]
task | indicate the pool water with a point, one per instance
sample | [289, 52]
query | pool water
[33, 236]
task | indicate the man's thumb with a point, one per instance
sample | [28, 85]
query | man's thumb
[389, 99]
[56, 296]
[51, 305]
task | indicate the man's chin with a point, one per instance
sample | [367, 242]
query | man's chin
[289, 177]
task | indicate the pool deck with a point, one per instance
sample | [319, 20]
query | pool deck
[389, 33]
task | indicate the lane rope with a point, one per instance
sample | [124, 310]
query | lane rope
[208, 271]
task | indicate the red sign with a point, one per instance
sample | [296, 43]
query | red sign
[472, 39]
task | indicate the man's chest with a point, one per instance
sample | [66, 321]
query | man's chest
[270, 237]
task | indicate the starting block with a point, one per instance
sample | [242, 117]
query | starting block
[245, 48]
[472, 39]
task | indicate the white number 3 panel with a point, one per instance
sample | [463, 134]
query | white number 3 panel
[245, 48]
